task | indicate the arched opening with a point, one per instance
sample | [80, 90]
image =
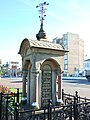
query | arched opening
[50, 70]
[26, 68]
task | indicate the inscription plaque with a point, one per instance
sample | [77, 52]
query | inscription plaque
[46, 87]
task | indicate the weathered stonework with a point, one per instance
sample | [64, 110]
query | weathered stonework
[42, 62]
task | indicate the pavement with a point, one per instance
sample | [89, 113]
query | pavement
[69, 85]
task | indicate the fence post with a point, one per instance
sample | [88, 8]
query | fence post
[70, 112]
[1, 104]
[49, 109]
[75, 108]
[16, 113]
[17, 95]
[85, 99]
[7, 107]
[76, 95]
[63, 95]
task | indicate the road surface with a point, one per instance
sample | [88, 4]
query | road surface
[80, 85]
[69, 86]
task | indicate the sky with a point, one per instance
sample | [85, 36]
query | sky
[19, 19]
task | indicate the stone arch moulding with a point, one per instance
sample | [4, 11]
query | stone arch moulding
[24, 47]
[52, 63]
[50, 68]
[26, 64]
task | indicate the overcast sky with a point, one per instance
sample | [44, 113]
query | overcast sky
[19, 19]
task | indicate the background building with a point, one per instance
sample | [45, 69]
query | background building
[10, 69]
[87, 64]
[87, 68]
[74, 59]
[13, 66]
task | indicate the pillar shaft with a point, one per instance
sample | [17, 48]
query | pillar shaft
[24, 84]
[32, 87]
[28, 86]
[59, 86]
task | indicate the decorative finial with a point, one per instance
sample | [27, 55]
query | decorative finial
[41, 33]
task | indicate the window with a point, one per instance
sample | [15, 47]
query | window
[87, 64]
[65, 67]
[65, 41]
[65, 56]
[65, 61]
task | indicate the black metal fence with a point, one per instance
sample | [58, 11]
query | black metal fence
[8, 105]
[80, 106]
[74, 107]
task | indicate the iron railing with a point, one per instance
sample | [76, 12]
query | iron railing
[74, 108]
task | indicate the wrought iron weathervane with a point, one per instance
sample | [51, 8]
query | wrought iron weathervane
[41, 34]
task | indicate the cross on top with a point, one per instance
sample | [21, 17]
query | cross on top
[42, 9]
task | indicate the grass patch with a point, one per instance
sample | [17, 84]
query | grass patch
[14, 90]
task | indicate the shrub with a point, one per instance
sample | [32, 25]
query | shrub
[5, 89]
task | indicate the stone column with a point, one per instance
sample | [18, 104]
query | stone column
[34, 86]
[59, 89]
[24, 84]
[33, 82]
[28, 86]
[59, 86]
[39, 88]
[53, 87]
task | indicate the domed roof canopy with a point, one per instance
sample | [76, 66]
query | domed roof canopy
[43, 44]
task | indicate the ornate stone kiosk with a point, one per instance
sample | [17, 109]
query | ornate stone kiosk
[42, 62]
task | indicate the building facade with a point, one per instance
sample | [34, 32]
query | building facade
[13, 66]
[87, 64]
[74, 59]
